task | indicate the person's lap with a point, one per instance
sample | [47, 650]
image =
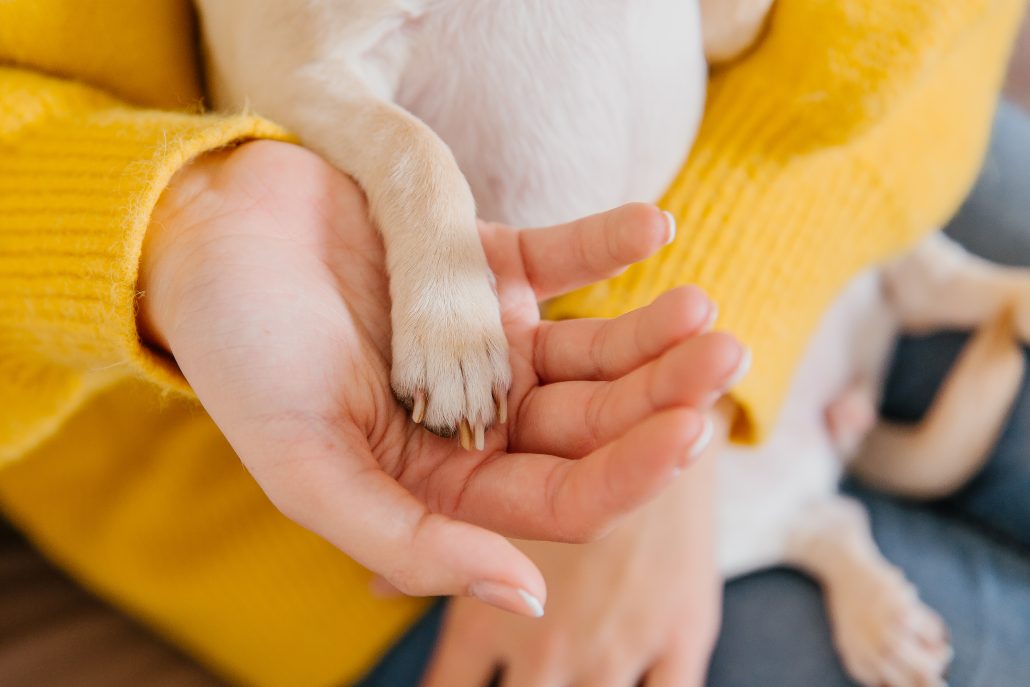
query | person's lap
[969, 556]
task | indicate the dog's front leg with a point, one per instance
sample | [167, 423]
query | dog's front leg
[450, 355]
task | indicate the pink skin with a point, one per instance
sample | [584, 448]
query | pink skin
[850, 417]
[264, 278]
[640, 606]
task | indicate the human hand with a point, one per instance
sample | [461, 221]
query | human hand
[641, 606]
[264, 278]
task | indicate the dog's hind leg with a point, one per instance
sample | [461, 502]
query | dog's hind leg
[936, 456]
[939, 285]
[884, 634]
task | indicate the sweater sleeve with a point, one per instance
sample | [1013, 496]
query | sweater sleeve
[79, 175]
[851, 130]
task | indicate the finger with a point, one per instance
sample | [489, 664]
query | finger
[462, 657]
[535, 496]
[562, 258]
[592, 349]
[529, 672]
[381, 588]
[365, 513]
[612, 671]
[573, 418]
[678, 667]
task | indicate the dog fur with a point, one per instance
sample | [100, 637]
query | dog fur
[536, 112]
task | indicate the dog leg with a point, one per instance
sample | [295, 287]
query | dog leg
[450, 355]
[885, 635]
[731, 26]
[940, 285]
[943, 451]
[851, 416]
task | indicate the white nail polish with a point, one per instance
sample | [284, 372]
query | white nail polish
[713, 315]
[672, 226]
[711, 399]
[703, 439]
[743, 367]
[507, 597]
[534, 605]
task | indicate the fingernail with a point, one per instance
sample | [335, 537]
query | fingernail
[507, 598]
[743, 367]
[703, 439]
[711, 399]
[672, 226]
[713, 315]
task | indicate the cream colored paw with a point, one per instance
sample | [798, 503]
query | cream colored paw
[915, 283]
[885, 635]
[731, 26]
[450, 359]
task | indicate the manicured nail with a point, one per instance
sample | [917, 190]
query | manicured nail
[672, 226]
[703, 439]
[743, 367]
[711, 399]
[507, 598]
[713, 315]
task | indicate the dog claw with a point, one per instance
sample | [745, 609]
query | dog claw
[501, 401]
[480, 436]
[418, 411]
[465, 434]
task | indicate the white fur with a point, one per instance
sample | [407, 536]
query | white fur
[555, 109]
[541, 103]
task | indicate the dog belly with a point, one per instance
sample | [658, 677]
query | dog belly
[763, 489]
[559, 109]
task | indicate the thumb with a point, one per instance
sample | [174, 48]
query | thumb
[365, 513]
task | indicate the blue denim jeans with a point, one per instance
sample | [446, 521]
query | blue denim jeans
[968, 555]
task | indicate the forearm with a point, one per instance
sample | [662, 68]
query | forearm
[79, 175]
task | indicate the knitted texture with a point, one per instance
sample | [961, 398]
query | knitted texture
[854, 127]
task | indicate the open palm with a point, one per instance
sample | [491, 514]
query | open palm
[266, 281]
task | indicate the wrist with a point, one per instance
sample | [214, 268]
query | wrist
[172, 222]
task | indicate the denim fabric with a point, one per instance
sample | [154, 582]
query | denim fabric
[969, 555]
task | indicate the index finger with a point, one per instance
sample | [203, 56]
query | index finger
[567, 256]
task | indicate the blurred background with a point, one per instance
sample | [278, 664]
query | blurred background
[1018, 88]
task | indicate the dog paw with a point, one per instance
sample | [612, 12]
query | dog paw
[886, 635]
[914, 283]
[850, 417]
[450, 359]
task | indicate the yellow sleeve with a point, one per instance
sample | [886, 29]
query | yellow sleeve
[852, 129]
[79, 175]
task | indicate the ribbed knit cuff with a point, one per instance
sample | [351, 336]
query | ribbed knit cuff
[812, 164]
[78, 180]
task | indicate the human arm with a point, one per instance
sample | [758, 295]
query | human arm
[642, 605]
[80, 172]
[265, 280]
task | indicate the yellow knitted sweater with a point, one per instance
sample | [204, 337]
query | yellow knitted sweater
[855, 126]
